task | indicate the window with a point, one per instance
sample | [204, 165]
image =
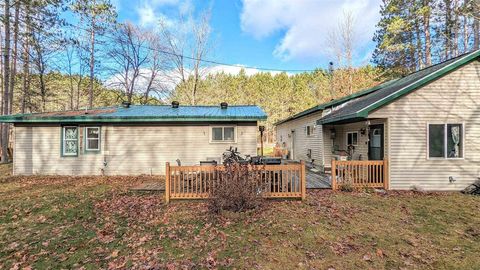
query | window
[70, 141]
[223, 134]
[352, 138]
[445, 140]
[309, 130]
[92, 139]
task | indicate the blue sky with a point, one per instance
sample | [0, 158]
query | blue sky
[283, 34]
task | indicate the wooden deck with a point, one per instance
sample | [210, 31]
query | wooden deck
[315, 180]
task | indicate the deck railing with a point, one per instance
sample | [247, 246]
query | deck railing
[360, 173]
[196, 182]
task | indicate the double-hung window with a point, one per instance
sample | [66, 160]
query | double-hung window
[223, 134]
[92, 139]
[309, 130]
[70, 141]
[445, 141]
[352, 138]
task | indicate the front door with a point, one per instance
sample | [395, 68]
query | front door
[376, 142]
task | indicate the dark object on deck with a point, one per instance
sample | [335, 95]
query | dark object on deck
[208, 162]
[179, 163]
[271, 161]
[175, 104]
[259, 160]
[224, 105]
[473, 189]
[126, 104]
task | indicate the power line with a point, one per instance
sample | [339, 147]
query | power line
[193, 58]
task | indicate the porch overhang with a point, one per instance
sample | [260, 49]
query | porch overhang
[344, 119]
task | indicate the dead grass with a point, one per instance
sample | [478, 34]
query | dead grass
[5, 171]
[67, 222]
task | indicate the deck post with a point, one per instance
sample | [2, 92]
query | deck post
[167, 182]
[303, 180]
[334, 175]
[386, 181]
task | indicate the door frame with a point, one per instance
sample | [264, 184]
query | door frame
[292, 156]
[382, 142]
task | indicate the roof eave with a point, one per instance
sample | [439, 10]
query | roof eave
[344, 119]
[6, 119]
[301, 114]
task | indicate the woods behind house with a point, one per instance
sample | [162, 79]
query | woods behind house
[92, 59]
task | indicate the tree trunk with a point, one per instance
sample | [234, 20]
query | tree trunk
[43, 91]
[79, 87]
[418, 47]
[456, 26]
[426, 30]
[6, 77]
[14, 57]
[465, 34]
[26, 59]
[448, 29]
[476, 25]
[92, 64]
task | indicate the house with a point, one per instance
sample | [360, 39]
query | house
[425, 125]
[129, 139]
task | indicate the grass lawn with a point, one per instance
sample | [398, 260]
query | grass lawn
[66, 222]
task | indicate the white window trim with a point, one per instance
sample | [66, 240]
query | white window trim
[64, 140]
[346, 137]
[223, 141]
[445, 143]
[86, 139]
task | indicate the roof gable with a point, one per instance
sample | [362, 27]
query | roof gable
[359, 108]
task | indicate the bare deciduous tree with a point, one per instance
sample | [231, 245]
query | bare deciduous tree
[187, 48]
[341, 41]
[6, 78]
[129, 55]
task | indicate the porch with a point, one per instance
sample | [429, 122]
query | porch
[356, 153]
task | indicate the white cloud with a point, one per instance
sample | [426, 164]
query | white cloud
[305, 24]
[149, 12]
[146, 14]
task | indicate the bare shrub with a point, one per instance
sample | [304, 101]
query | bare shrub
[346, 187]
[237, 188]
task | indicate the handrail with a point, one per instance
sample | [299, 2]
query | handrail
[360, 173]
[196, 182]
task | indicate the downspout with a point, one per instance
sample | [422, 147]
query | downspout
[105, 149]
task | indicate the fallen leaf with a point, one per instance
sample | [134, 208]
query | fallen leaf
[367, 258]
[114, 254]
[380, 253]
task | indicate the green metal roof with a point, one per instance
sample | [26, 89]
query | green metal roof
[360, 107]
[334, 102]
[144, 113]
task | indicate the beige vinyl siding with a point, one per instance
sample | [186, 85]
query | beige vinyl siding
[302, 141]
[38, 151]
[327, 147]
[127, 150]
[454, 98]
